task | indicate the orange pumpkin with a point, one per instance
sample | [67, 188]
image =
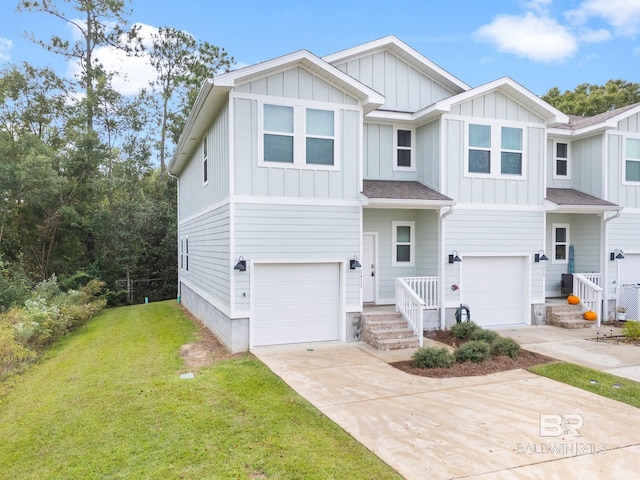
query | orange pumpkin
[590, 315]
[573, 300]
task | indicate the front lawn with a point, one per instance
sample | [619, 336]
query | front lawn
[108, 402]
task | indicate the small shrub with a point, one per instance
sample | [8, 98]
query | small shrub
[631, 329]
[475, 351]
[488, 336]
[432, 357]
[502, 346]
[13, 356]
[463, 330]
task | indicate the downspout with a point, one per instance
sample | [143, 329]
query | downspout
[605, 269]
[179, 296]
[441, 285]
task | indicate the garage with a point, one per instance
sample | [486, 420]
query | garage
[495, 289]
[629, 269]
[294, 303]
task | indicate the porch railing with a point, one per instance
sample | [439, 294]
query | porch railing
[587, 287]
[411, 306]
[426, 288]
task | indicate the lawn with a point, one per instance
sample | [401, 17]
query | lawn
[627, 391]
[108, 402]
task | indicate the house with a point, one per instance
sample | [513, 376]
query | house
[309, 187]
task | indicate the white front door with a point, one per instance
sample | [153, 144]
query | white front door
[368, 268]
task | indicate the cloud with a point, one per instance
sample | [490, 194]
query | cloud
[594, 36]
[5, 47]
[622, 15]
[538, 38]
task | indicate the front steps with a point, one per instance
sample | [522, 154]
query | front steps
[567, 316]
[387, 331]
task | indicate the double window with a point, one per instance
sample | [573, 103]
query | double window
[403, 242]
[561, 160]
[403, 149]
[299, 136]
[632, 160]
[495, 150]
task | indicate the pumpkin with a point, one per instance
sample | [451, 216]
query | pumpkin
[590, 315]
[573, 300]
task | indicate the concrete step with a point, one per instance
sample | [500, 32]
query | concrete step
[396, 343]
[382, 316]
[388, 333]
[572, 323]
[564, 308]
[384, 324]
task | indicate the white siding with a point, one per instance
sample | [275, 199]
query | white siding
[404, 87]
[627, 195]
[551, 159]
[630, 124]
[428, 154]
[497, 106]
[379, 154]
[623, 235]
[587, 165]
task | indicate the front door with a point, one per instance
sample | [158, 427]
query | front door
[368, 268]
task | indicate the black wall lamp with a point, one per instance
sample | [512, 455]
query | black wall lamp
[616, 255]
[540, 257]
[241, 265]
[354, 263]
[454, 258]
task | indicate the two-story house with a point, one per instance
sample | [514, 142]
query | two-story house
[309, 187]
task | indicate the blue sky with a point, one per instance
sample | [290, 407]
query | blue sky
[538, 43]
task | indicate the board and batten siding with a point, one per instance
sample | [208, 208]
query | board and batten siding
[209, 254]
[194, 194]
[379, 154]
[498, 106]
[566, 182]
[403, 86]
[493, 232]
[427, 153]
[298, 233]
[426, 238]
[587, 165]
[619, 192]
[252, 178]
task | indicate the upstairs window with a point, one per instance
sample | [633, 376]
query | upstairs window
[560, 243]
[205, 163]
[632, 160]
[495, 150]
[561, 165]
[403, 243]
[320, 137]
[278, 134]
[403, 149]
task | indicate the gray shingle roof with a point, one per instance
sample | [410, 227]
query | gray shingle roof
[570, 197]
[401, 190]
[576, 122]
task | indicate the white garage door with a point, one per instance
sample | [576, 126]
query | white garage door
[494, 288]
[629, 268]
[296, 303]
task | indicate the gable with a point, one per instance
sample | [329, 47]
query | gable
[630, 124]
[496, 105]
[298, 83]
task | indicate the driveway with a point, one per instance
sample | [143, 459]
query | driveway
[501, 426]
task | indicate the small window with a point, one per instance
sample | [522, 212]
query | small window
[205, 167]
[182, 254]
[562, 159]
[560, 243]
[511, 151]
[632, 160]
[186, 254]
[404, 147]
[320, 137]
[278, 134]
[403, 243]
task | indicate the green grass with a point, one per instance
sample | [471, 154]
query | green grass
[578, 376]
[107, 402]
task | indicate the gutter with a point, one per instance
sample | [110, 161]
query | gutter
[605, 276]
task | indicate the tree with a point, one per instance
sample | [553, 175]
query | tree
[182, 63]
[588, 100]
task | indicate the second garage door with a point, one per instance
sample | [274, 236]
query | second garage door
[495, 288]
[296, 303]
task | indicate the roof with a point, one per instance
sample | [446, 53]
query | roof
[392, 193]
[577, 122]
[570, 199]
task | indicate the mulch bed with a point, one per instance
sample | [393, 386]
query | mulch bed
[524, 360]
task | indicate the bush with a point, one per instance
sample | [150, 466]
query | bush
[488, 336]
[631, 329]
[475, 351]
[432, 357]
[463, 330]
[502, 346]
[13, 356]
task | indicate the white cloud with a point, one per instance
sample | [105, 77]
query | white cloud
[538, 5]
[537, 38]
[5, 47]
[622, 15]
[594, 36]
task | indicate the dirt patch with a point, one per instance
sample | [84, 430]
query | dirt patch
[524, 360]
[207, 350]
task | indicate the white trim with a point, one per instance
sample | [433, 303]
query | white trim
[500, 207]
[219, 204]
[406, 203]
[556, 158]
[375, 263]
[567, 242]
[394, 243]
[623, 168]
[302, 201]
[411, 149]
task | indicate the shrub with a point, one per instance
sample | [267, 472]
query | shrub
[464, 330]
[13, 356]
[432, 357]
[485, 335]
[502, 346]
[631, 329]
[475, 351]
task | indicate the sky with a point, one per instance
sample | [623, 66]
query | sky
[539, 43]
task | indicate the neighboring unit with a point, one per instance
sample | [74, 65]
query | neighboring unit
[310, 187]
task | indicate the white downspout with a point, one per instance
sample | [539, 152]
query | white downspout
[605, 276]
[441, 276]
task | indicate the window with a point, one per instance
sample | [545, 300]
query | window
[632, 160]
[403, 148]
[403, 243]
[205, 168]
[495, 150]
[297, 136]
[184, 253]
[560, 243]
[561, 165]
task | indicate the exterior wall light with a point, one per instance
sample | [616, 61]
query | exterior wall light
[241, 265]
[540, 257]
[616, 255]
[354, 263]
[454, 258]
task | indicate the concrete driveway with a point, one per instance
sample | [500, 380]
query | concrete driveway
[501, 426]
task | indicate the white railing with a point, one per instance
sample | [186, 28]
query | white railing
[589, 292]
[426, 288]
[411, 306]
